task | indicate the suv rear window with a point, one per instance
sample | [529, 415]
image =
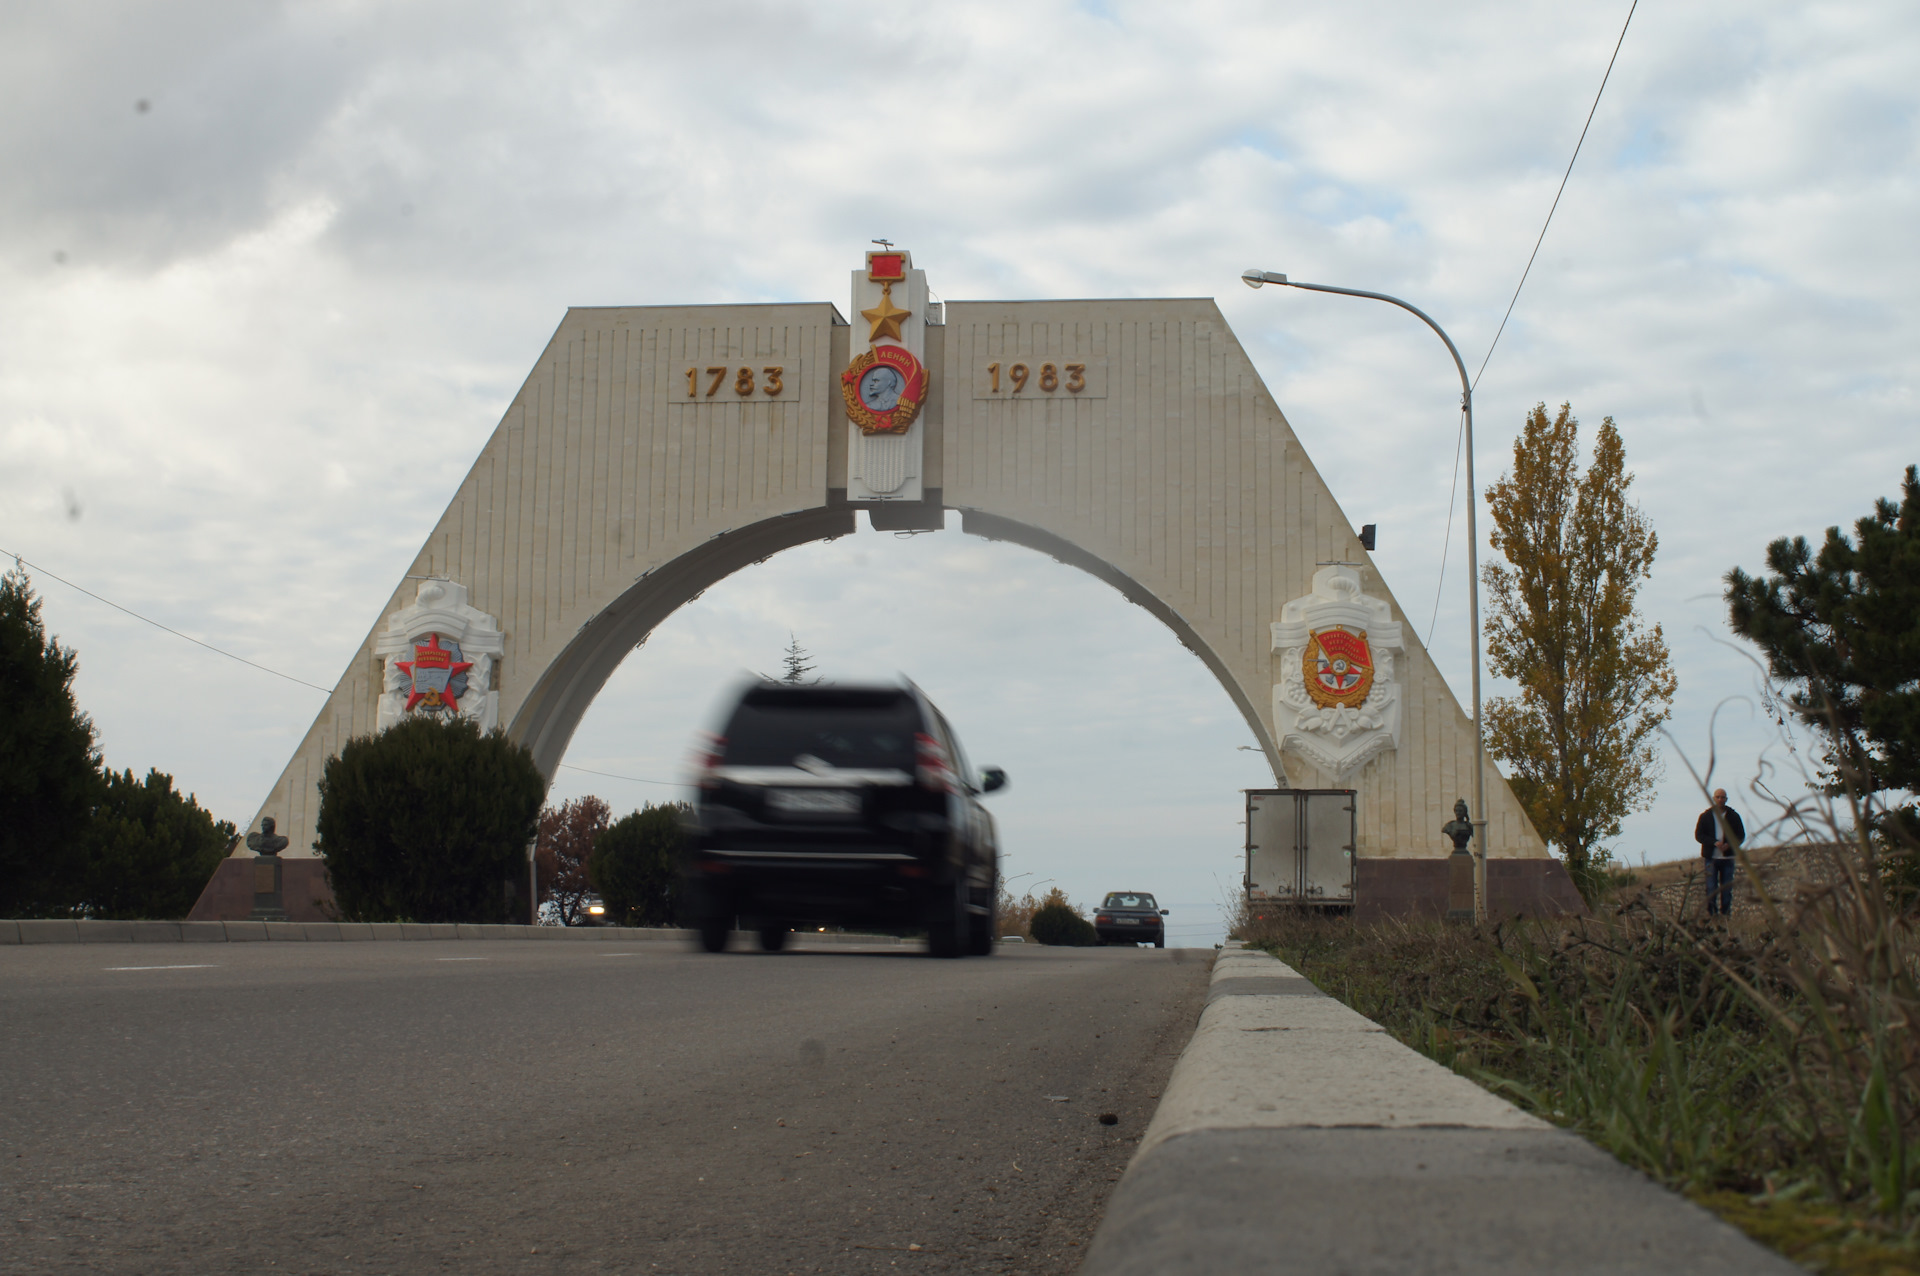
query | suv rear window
[1128, 899]
[868, 730]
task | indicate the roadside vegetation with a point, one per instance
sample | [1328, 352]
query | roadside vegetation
[1056, 921]
[635, 866]
[561, 853]
[1768, 1065]
[1769, 1069]
[428, 821]
[77, 838]
[1593, 678]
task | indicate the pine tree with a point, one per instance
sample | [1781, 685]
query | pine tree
[1595, 681]
[799, 663]
[1842, 629]
[49, 771]
[150, 850]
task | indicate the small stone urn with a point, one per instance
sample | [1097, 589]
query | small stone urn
[269, 902]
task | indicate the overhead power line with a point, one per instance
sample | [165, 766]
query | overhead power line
[256, 664]
[636, 779]
[167, 628]
[1557, 194]
[1453, 493]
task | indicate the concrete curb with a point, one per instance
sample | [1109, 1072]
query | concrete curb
[1296, 1135]
[67, 930]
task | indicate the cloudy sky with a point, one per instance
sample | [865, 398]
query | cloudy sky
[270, 274]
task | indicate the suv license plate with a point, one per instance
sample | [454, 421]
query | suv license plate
[814, 801]
[1127, 921]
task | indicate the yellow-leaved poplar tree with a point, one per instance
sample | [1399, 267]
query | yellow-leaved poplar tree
[1595, 682]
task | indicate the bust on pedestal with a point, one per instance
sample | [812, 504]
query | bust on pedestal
[269, 905]
[1459, 865]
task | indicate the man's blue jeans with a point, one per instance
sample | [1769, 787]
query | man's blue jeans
[1720, 886]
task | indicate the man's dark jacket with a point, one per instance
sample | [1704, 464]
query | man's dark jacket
[1706, 833]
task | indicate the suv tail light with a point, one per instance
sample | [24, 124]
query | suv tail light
[708, 751]
[931, 766]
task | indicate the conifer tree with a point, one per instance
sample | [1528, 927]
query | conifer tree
[1842, 629]
[1595, 682]
[149, 849]
[636, 865]
[49, 771]
[799, 663]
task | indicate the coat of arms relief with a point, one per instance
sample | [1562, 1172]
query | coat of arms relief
[438, 656]
[1338, 700]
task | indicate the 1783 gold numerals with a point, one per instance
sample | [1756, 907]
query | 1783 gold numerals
[743, 381]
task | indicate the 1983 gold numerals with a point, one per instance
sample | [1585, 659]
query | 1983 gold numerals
[1019, 374]
[743, 381]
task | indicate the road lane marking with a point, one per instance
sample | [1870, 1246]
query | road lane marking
[203, 965]
[459, 958]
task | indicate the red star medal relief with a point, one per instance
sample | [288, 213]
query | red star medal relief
[437, 677]
[1337, 667]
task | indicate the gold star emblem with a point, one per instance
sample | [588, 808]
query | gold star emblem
[884, 318]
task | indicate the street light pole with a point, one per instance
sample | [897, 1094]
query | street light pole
[1254, 278]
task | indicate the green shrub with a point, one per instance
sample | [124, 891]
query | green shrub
[149, 850]
[635, 866]
[428, 821]
[48, 768]
[1056, 922]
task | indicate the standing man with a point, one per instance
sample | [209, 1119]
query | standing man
[1720, 834]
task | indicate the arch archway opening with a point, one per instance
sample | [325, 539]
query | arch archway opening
[1125, 756]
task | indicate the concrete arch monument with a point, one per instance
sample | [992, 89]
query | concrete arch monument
[654, 450]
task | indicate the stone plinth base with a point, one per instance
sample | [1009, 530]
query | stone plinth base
[228, 896]
[1418, 889]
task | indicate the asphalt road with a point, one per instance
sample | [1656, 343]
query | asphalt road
[527, 1107]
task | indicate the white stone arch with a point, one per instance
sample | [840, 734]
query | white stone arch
[609, 496]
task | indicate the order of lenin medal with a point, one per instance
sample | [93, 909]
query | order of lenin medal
[885, 387]
[1337, 667]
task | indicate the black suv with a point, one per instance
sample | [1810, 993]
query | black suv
[841, 806]
[1130, 917]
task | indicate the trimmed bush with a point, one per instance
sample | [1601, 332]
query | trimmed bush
[1056, 922]
[428, 821]
[636, 866]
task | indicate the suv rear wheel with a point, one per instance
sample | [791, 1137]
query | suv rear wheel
[772, 938]
[714, 932]
[947, 921]
[982, 927]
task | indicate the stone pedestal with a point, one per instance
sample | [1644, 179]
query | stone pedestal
[269, 901]
[1460, 886]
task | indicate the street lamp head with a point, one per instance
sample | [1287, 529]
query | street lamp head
[1253, 277]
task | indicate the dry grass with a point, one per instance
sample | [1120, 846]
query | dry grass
[1770, 1067]
[1015, 916]
[1676, 889]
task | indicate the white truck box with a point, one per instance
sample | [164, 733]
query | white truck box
[1300, 846]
